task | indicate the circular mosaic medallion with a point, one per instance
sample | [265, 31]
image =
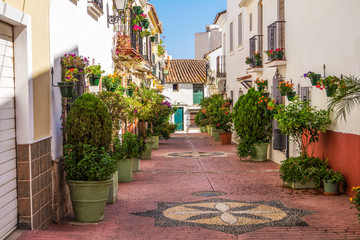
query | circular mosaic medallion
[196, 154]
[208, 194]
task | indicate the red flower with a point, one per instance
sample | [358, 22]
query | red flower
[217, 124]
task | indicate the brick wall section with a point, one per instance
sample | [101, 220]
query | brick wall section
[34, 176]
[61, 195]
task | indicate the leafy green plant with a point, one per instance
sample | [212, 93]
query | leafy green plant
[303, 123]
[111, 81]
[129, 147]
[95, 70]
[161, 49]
[356, 200]
[346, 97]
[74, 61]
[299, 169]
[88, 122]
[94, 165]
[218, 110]
[251, 122]
[332, 176]
[285, 87]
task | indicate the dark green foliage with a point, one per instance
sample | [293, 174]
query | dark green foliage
[129, 147]
[88, 122]
[197, 118]
[251, 122]
[95, 165]
[302, 170]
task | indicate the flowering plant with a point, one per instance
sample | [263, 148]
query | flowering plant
[95, 70]
[285, 87]
[314, 77]
[145, 33]
[275, 54]
[111, 81]
[329, 82]
[356, 199]
[257, 56]
[71, 75]
[261, 84]
[249, 60]
[131, 86]
[136, 28]
[332, 176]
[74, 61]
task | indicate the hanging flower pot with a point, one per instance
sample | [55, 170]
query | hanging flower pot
[330, 91]
[137, 10]
[94, 80]
[152, 38]
[145, 23]
[291, 95]
[66, 89]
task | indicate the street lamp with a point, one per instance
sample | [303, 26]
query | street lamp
[120, 6]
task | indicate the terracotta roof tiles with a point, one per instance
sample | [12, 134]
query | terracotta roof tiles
[186, 71]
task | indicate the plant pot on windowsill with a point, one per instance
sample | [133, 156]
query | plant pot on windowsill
[66, 89]
[225, 138]
[94, 80]
[291, 96]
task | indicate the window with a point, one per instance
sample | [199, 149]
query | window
[224, 43]
[231, 37]
[250, 22]
[198, 93]
[175, 87]
[240, 33]
[192, 119]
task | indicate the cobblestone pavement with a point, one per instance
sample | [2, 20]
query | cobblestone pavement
[159, 203]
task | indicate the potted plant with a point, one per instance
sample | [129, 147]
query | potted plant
[314, 77]
[152, 38]
[225, 124]
[270, 54]
[303, 123]
[88, 165]
[287, 88]
[126, 152]
[356, 200]
[145, 23]
[66, 87]
[250, 61]
[331, 180]
[330, 84]
[130, 89]
[74, 61]
[137, 10]
[252, 125]
[257, 59]
[261, 84]
[111, 82]
[94, 74]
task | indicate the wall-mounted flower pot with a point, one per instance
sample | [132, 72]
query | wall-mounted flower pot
[330, 91]
[94, 80]
[145, 23]
[291, 96]
[152, 38]
[314, 80]
[66, 89]
[279, 55]
[137, 10]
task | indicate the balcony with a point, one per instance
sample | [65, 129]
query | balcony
[222, 86]
[256, 48]
[95, 7]
[220, 67]
[276, 42]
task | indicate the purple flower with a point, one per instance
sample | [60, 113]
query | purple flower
[305, 75]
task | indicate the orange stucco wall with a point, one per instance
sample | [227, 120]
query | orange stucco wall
[343, 152]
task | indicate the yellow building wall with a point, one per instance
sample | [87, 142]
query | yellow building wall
[39, 12]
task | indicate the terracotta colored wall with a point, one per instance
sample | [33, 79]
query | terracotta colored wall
[343, 152]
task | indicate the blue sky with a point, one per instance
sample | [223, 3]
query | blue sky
[182, 19]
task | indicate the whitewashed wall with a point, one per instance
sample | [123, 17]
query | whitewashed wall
[74, 30]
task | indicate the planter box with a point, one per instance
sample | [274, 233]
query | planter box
[114, 189]
[307, 185]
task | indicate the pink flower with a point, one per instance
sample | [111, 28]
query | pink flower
[217, 124]
[143, 15]
[226, 112]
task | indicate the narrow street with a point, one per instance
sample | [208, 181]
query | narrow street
[160, 202]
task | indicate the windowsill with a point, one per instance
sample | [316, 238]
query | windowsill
[231, 53]
[255, 69]
[240, 47]
[276, 63]
[94, 10]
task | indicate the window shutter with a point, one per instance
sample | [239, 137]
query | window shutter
[198, 93]
[240, 30]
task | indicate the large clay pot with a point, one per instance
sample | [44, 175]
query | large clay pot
[225, 138]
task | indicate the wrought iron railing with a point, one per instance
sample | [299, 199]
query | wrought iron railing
[255, 47]
[98, 4]
[276, 37]
[220, 66]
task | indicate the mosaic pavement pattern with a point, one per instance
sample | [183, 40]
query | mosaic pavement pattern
[196, 154]
[229, 216]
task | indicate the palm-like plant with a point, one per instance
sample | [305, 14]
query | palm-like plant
[346, 97]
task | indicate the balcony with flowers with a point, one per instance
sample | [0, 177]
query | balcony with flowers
[276, 44]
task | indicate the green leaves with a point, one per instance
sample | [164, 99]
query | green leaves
[129, 147]
[251, 122]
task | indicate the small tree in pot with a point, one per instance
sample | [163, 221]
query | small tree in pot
[252, 125]
[88, 165]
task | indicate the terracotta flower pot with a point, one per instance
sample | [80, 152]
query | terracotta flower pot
[225, 138]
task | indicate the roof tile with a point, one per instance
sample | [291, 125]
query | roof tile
[187, 71]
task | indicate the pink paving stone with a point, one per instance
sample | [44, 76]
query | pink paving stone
[164, 179]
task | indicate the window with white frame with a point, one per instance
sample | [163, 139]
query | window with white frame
[240, 30]
[231, 37]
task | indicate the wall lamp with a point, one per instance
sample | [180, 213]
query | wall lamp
[120, 6]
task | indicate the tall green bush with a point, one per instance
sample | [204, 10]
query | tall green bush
[251, 122]
[129, 147]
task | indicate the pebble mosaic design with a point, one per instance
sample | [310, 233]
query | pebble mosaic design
[229, 216]
[195, 154]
